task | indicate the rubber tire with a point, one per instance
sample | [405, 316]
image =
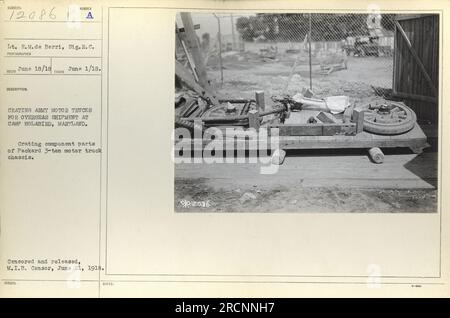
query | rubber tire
[384, 129]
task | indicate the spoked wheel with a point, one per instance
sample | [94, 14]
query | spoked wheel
[391, 118]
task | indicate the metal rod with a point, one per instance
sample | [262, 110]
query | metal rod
[238, 117]
[236, 100]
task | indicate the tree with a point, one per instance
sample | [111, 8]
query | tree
[243, 27]
[295, 26]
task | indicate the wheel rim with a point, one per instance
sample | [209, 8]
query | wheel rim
[389, 118]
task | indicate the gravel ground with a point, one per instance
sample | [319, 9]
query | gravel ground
[300, 199]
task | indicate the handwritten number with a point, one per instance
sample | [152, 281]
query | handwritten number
[43, 12]
[51, 14]
[18, 15]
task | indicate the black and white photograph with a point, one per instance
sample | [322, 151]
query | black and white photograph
[250, 149]
[306, 112]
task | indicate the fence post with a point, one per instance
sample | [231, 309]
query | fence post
[220, 49]
[310, 62]
[232, 33]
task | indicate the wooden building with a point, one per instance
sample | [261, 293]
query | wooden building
[416, 64]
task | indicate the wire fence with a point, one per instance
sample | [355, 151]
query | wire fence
[348, 54]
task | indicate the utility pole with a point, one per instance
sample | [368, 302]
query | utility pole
[193, 46]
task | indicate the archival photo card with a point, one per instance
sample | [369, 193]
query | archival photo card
[223, 148]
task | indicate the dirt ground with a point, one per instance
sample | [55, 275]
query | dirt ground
[313, 181]
[245, 73]
[300, 199]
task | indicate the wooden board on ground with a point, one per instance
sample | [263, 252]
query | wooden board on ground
[317, 169]
[414, 139]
